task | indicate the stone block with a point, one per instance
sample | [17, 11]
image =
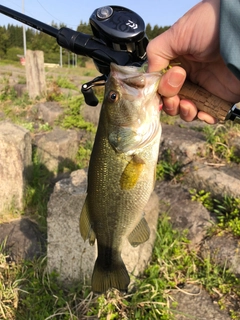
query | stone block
[176, 139]
[194, 302]
[48, 111]
[57, 148]
[224, 250]
[22, 239]
[67, 253]
[184, 214]
[15, 164]
[219, 181]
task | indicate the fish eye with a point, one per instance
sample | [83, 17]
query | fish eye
[112, 96]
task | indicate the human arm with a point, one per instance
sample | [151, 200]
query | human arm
[230, 34]
[194, 41]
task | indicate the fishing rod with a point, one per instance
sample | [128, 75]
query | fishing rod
[119, 36]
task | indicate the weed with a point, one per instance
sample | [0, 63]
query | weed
[54, 93]
[8, 286]
[8, 92]
[44, 127]
[41, 296]
[73, 118]
[83, 155]
[170, 120]
[168, 167]
[23, 100]
[219, 142]
[227, 209]
[22, 79]
[38, 191]
[65, 83]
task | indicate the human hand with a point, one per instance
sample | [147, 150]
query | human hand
[194, 42]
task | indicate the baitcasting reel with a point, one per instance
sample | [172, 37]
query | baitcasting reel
[118, 36]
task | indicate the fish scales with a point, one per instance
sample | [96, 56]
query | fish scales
[121, 172]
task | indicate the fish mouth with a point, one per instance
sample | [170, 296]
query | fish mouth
[132, 77]
[126, 70]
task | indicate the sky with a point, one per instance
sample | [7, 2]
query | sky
[72, 12]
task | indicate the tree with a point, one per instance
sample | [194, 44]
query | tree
[84, 28]
[3, 42]
[12, 38]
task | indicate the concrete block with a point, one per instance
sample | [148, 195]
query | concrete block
[67, 253]
[57, 148]
[15, 164]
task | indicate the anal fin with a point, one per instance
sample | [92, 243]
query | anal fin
[140, 233]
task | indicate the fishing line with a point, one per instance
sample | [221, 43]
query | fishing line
[52, 15]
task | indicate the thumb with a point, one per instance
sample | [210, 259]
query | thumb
[160, 52]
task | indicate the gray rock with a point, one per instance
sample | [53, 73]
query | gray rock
[15, 164]
[235, 143]
[20, 89]
[195, 303]
[178, 141]
[91, 114]
[184, 214]
[218, 181]
[23, 239]
[48, 112]
[223, 250]
[67, 253]
[57, 148]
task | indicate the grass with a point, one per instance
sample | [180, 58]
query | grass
[72, 116]
[168, 167]
[226, 208]
[62, 82]
[30, 292]
[219, 139]
[38, 191]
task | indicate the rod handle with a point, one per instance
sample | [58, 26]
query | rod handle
[205, 101]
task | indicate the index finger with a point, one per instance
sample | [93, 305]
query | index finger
[160, 52]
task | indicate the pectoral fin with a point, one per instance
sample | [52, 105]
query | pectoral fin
[140, 234]
[85, 225]
[131, 173]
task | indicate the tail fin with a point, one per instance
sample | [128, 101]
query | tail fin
[106, 278]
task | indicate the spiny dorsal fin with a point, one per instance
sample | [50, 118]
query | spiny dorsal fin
[85, 225]
[140, 234]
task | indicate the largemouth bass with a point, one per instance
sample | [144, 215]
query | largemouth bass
[121, 172]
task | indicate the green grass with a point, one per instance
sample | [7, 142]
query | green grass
[38, 191]
[226, 208]
[168, 167]
[72, 117]
[40, 296]
[219, 142]
[63, 82]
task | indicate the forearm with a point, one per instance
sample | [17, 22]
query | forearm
[230, 34]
